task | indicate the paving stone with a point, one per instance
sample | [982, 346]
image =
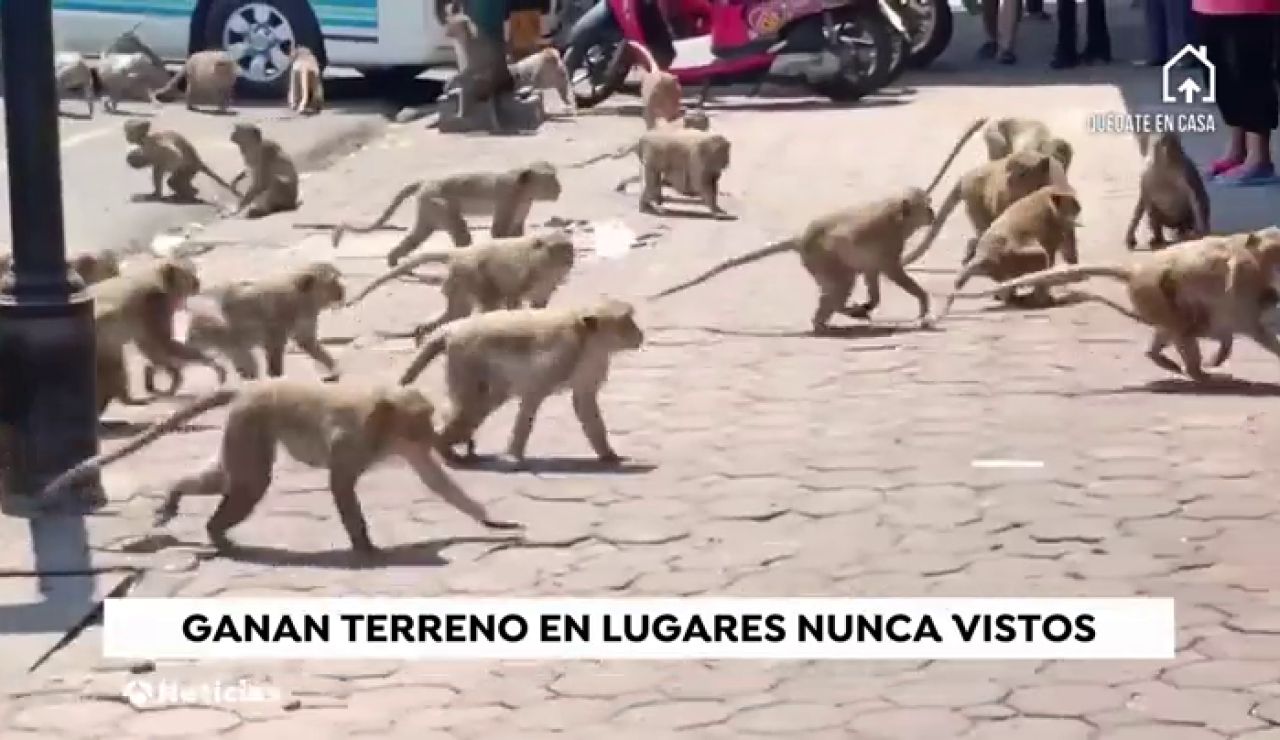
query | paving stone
[788, 719]
[1065, 700]
[1040, 728]
[675, 715]
[182, 722]
[909, 724]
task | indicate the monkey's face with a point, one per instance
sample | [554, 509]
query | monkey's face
[323, 284]
[136, 130]
[246, 135]
[543, 182]
[1027, 169]
[557, 250]
[1060, 149]
[1067, 207]
[1266, 244]
[179, 280]
[614, 321]
[917, 211]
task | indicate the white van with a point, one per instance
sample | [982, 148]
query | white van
[389, 40]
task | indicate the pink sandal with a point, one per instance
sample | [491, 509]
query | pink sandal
[1224, 165]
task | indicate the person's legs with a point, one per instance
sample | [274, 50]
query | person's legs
[1178, 22]
[1010, 14]
[1252, 104]
[1065, 55]
[990, 24]
[1035, 9]
[1097, 45]
[1157, 32]
[1211, 32]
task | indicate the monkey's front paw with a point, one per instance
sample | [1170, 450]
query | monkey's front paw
[1131, 241]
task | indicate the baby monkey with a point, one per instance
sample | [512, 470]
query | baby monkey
[528, 353]
[346, 430]
[167, 153]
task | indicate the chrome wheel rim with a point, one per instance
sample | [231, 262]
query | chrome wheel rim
[259, 38]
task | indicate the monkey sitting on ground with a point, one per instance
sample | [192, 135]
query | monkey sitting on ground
[835, 248]
[987, 190]
[506, 196]
[1025, 238]
[73, 74]
[137, 307]
[689, 161]
[211, 78]
[88, 269]
[1214, 287]
[483, 73]
[167, 153]
[1006, 136]
[273, 178]
[266, 313]
[306, 81]
[504, 273]
[1171, 192]
[128, 76]
[343, 429]
[545, 70]
[528, 353]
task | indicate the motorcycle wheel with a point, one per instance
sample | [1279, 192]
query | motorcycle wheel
[899, 58]
[601, 78]
[931, 25]
[863, 39]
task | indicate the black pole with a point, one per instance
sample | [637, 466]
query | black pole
[48, 413]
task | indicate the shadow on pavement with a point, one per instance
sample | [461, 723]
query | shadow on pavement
[561, 465]
[426, 554]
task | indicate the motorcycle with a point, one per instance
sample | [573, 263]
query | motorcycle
[840, 49]
[930, 26]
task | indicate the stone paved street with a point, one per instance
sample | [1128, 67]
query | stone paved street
[764, 462]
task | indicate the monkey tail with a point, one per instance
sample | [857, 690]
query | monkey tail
[382, 220]
[646, 57]
[955, 150]
[944, 212]
[218, 179]
[403, 268]
[216, 399]
[617, 154]
[170, 87]
[1063, 275]
[786, 245]
[1090, 296]
[432, 346]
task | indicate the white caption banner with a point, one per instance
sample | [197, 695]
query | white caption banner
[641, 628]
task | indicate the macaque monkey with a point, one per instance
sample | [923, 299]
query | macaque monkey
[1171, 193]
[137, 307]
[88, 268]
[987, 190]
[167, 153]
[343, 429]
[237, 318]
[211, 78]
[661, 97]
[530, 354]
[839, 246]
[306, 81]
[73, 74]
[694, 119]
[503, 273]
[1213, 287]
[689, 161]
[1025, 238]
[129, 69]
[441, 204]
[1006, 136]
[545, 70]
[273, 178]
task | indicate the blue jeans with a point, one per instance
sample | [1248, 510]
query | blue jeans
[1169, 28]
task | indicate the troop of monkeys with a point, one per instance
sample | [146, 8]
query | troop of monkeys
[500, 339]
[128, 69]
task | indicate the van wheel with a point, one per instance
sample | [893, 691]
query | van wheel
[260, 35]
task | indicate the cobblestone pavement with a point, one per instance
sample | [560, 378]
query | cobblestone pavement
[767, 463]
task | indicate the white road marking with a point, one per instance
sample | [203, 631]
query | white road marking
[1008, 463]
[74, 140]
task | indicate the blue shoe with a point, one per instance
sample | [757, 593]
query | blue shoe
[1250, 177]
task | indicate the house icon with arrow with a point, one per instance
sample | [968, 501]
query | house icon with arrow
[1187, 90]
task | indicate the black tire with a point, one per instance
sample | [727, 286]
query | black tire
[603, 77]
[861, 76]
[929, 48]
[273, 81]
[899, 57]
[391, 77]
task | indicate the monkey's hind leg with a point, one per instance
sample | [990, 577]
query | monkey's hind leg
[1160, 339]
[1157, 231]
[248, 455]
[180, 182]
